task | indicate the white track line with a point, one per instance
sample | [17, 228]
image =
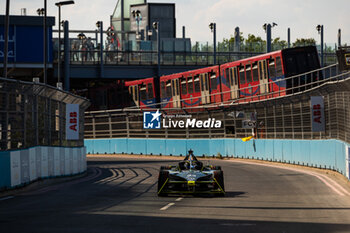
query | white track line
[167, 206]
[6, 198]
[326, 180]
[179, 199]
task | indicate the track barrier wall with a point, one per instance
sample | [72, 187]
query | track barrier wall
[21, 167]
[328, 154]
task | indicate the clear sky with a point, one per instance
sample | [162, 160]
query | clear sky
[302, 16]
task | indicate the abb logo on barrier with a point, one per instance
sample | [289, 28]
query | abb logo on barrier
[72, 121]
[317, 113]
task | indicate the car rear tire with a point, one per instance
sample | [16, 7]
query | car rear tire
[163, 176]
[219, 176]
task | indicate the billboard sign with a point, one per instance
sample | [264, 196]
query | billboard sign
[317, 114]
[72, 122]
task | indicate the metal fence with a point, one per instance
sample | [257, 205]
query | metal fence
[33, 114]
[286, 117]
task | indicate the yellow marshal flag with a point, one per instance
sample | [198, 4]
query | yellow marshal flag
[247, 139]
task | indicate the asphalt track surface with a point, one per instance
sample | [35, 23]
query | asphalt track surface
[119, 195]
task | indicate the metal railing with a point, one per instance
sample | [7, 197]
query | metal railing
[283, 116]
[116, 57]
[33, 114]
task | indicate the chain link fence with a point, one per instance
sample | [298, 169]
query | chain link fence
[34, 114]
[284, 117]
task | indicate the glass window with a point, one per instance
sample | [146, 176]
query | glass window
[279, 71]
[173, 85]
[235, 75]
[143, 94]
[231, 76]
[214, 84]
[255, 73]
[150, 91]
[183, 87]
[196, 85]
[227, 71]
[261, 70]
[177, 86]
[272, 68]
[190, 85]
[162, 88]
[302, 63]
[168, 90]
[248, 72]
[241, 76]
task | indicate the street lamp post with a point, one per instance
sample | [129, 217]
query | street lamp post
[212, 27]
[41, 12]
[45, 42]
[319, 28]
[267, 28]
[156, 26]
[99, 25]
[59, 4]
[7, 22]
[137, 15]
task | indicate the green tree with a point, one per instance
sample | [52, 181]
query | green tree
[304, 42]
[278, 44]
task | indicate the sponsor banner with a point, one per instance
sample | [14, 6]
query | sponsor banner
[250, 120]
[32, 164]
[72, 122]
[15, 161]
[153, 120]
[317, 114]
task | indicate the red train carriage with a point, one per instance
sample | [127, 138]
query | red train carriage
[267, 75]
[260, 77]
[191, 88]
[142, 93]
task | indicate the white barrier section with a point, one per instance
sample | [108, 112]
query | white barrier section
[84, 159]
[32, 164]
[62, 164]
[44, 162]
[38, 161]
[56, 161]
[67, 167]
[50, 156]
[75, 160]
[15, 158]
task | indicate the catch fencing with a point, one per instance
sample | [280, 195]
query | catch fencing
[34, 114]
[281, 117]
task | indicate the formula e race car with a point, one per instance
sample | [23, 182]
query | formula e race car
[190, 176]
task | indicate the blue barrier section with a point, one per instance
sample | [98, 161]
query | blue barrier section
[330, 154]
[5, 172]
[175, 147]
